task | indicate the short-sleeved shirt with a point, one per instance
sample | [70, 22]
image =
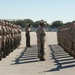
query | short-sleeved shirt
[27, 30]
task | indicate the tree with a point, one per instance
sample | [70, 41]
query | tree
[18, 22]
[67, 23]
[57, 24]
[36, 24]
[22, 23]
[25, 21]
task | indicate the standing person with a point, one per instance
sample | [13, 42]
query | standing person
[41, 40]
[28, 35]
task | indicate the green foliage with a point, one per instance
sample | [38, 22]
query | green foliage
[36, 24]
[23, 23]
[67, 23]
[56, 24]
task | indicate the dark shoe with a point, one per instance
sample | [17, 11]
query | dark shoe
[29, 46]
[42, 59]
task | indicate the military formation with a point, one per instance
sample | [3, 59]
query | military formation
[10, 37]
[66, 38]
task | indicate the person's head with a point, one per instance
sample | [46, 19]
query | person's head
[42, 23]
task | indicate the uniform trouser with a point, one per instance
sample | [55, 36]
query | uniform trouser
[40, 48]
[27, 40]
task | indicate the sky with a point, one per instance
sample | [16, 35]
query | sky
[48, 10]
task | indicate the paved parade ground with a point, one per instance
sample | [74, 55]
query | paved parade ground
[24, 61]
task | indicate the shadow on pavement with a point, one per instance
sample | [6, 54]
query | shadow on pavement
[61, 59]
[28, 55]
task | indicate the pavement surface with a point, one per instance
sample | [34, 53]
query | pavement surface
[24, 61]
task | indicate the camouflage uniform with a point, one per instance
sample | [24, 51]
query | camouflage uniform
[19, 34]
[10, 37]
[3, 39]
[40, 42]
[0, 41]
